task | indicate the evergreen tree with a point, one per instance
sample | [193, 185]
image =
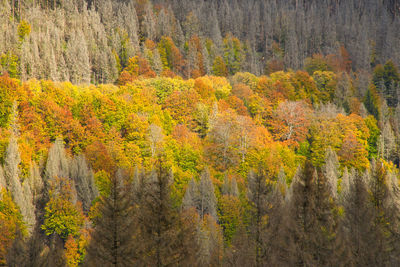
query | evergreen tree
[163, 234]
[310, 220]
[55, 254]
[84, 181]
[201, 195]
[331, 171]
[272, 236]
[257, 194]
[18, 253]
[359, 222]
[113, 239]
[57, 164]
[385, 210]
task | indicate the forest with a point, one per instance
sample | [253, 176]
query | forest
[199, 133]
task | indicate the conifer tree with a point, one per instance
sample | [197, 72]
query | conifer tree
[331, 171]
[23, 198]
[229, 187]
[57, 164]
[35, 182]
[113, 239]
[163, 235]
[84, 181]
[257, 194]
[359, 222]
[272, 235]
[3, 183]
[55, 255]
[201, 195]
[18, 252]
[313, 222]
[386, 221]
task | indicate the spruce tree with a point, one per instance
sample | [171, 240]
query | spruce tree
[3, 183]
[18, 253]
[359, 221]
[163, 234]
[201, 195]
[55, 254]
[84, 181]
[301, 224]
[113, 239]
[385, 198]
[257, 194]
[57, 164]
[272, 236]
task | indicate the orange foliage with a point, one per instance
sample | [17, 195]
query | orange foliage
[237, 104]
[204, 87]
[181, 105]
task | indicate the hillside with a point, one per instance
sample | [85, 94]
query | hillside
[205, 133]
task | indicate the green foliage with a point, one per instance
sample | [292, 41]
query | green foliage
[372, 102]
[229, 216]
[386, 80]
[24, 29]
[165, 86]
[219, 67]
[326, 84]
[374, 132]
[7, 97]
[316, 63]
[103, 183]
[10, 63]
[61, 215]
[233, 55]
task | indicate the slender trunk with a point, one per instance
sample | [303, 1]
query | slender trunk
[115, 224]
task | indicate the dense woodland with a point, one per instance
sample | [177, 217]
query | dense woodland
[199, 133]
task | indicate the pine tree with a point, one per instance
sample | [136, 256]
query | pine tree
[113, 239]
